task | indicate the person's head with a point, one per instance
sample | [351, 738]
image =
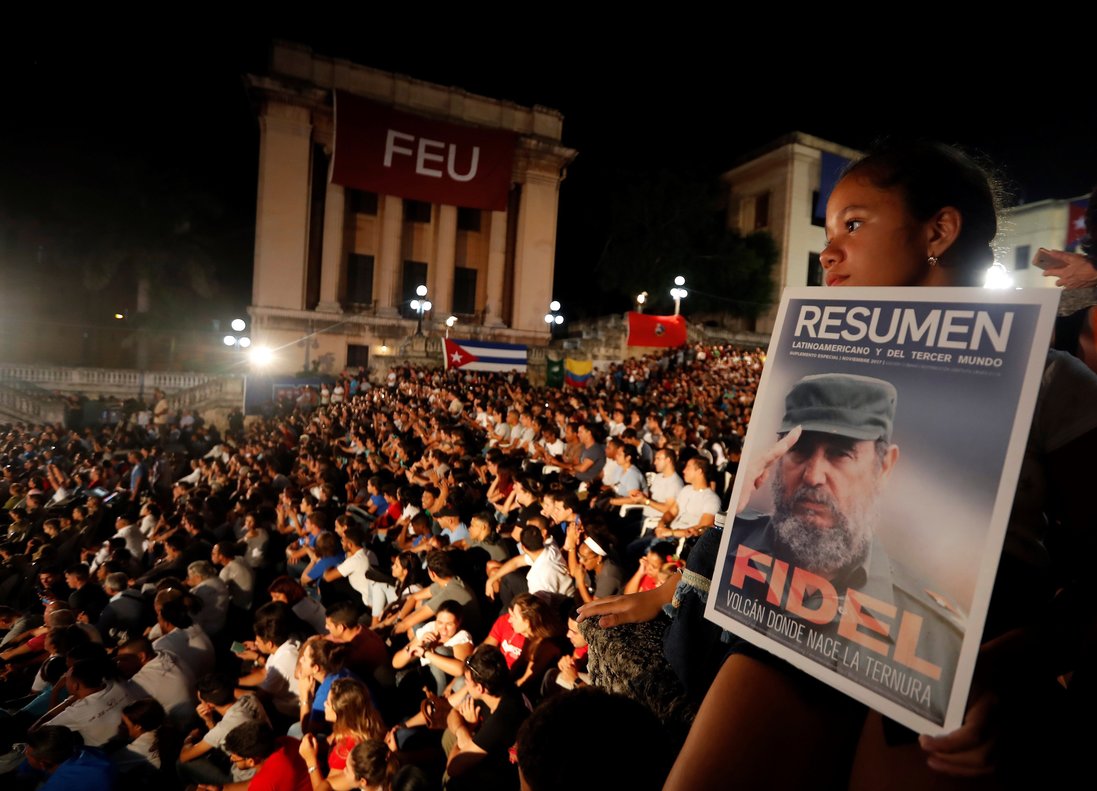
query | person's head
[321, 657]
[486, 672]
[50, 746]
[199, 571]
[532, 539]
[629, 729]
[482, 526]
[447, 621]
[273, 626]
[134, 654]
[342, 620]
[370, 765]
[697, 472]
[286, 590]
[440, 565]
[76, 576]
[141, 716]
[910, 214]
[249, 744]
[533, 618]
[665, 459]
[592, 552]
[826, 488]
[350, 707]
[217, 689]
[627, 455]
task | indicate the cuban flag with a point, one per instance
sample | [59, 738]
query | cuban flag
[484, 356]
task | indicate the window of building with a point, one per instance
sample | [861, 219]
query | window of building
[464, 290]
[761, 211]
[415, 275]
[357, 356]
[818, 215]
[815, 270]
[417, 211]
[359, 279]
[362, 202]
[1021, 256]
[468, 220]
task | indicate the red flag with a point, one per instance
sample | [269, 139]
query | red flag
[383, 150]
[647, 330]
[1076, 225]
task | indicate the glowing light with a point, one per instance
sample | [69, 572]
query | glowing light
[679, 281]
[998, 277]
[230, 340]
[554, 305]
[415, 304]
[642, 297]
[261, 356]
[119, 316]
[244, 343]
[451, 321]
[421, 290]
[238, 325]
[548, 318]
[426, 305]
[559, 319]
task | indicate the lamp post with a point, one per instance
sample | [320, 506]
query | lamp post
[240, 342]
[641, 298]
[553, 317]
[678, 293]
[420, 306]
[449, 324]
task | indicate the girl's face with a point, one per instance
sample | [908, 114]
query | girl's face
[518, 623]
[329, 711]
[873, 239]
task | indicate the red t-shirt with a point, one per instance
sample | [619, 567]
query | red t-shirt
[340, 751]
[510, 642]
[284, 770]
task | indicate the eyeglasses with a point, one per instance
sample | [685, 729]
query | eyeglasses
[472, 672]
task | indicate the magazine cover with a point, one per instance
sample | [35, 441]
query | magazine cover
[891, 424]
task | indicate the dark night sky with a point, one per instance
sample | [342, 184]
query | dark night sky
[82, 113]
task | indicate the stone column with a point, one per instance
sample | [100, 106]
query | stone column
[390, 258]
[535, 250]
[282, 210]
[445, 257]
[497, 261]
[333, 254]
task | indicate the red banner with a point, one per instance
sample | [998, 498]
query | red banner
[645, 330]
[382, 150]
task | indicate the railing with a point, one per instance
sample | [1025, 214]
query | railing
[31, 407]
[59, 377]
[228, 387]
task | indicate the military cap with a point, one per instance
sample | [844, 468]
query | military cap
[859, 407]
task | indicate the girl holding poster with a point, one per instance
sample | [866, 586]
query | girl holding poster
[907, 215]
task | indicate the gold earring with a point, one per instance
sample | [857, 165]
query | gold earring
[932, 260]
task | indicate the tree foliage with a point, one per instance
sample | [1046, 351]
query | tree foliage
[669, 223]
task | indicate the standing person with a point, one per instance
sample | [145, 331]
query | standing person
[915, 215]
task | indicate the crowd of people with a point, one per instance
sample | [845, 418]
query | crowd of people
[388, 589]
[373, 590]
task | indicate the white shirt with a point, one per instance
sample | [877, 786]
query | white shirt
[135, 542]
[214, 595]
[279, 682]
[247, 708]
[354, 569]
[462, 637]
[191, 646]
[240, 578]
[549, 573]
[172, 685]
[663, 488]
[693, 504]
[97, 717]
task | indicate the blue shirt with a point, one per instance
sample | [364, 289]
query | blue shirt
[323, 564]
[459, 533]
[90, 770]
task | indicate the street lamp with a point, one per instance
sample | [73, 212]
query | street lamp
[261, 356]
[449, 324]
[678, 293]
[553, 317]
[238, 325]
[420, 306]
[641, 298]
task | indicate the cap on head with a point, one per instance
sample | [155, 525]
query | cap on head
[859, 407]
